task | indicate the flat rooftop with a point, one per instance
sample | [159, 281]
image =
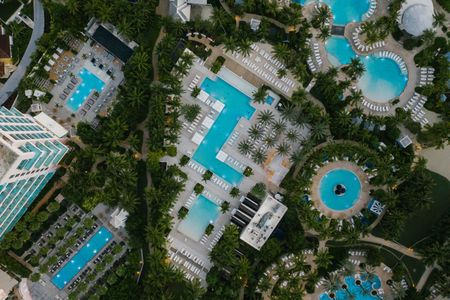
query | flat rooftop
[7, 158]
[112, 43]
[7, 283]
[264, 222]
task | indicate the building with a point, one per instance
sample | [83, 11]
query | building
[262, 221]
[118, 218]
[7, 283]
[107, 36]
[405, 141]
[6, 62]
[181, 9]
[30, 150]
[416, 16]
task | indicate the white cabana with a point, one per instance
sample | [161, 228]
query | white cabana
[218, 106]
[47, 68]
[55, 56]
[222, 156]
[51, 62]
[202, 96]
[197, 138]
[208, 122]
[38, 93]
[28, 93]
[118, 218]
[416, 16]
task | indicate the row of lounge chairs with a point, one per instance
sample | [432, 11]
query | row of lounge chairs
[374, 107]
[415, 105]
[426, 76]
[397, 58]
[357, 253]
[373, 6]
[365, 48]
[222, 184]
[194, 83]
[216, 238]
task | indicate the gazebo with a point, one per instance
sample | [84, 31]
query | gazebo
[416, 16]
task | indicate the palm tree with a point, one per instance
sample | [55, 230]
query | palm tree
[136, 97]
[141, 61]
[279, 126]
[244, 46]
[355, 68]
[319, 131]
[281, 52]
[325, 33]
[288, 111]
[283, 149]
[259, 96]
[73, 6]
[265, 117]
[323, 259]
[292, 135]
[439, 19]
[219, 17]
[323, 13]
[229, 44]
[259, 157]
[269, 141]
[355, 97]
[332, 284]
[254, 132]
[428, 36]
[245, 147]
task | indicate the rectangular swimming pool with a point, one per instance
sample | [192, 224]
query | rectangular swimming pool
[237, 105]
[203, 212]
[84, 255]
[89, 82]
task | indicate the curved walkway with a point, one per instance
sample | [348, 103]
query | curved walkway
[13, 81]
[390, 244]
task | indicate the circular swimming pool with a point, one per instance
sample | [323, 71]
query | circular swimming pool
[359, 292]
[344, 11]
[339, 189]
[383, 79]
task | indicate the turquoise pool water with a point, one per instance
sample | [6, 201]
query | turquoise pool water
[237, 105]
[269, 100]
[344, 11]
[89, 82]
[359, 292]
[383, 79]
[327, 187]
[84, 255]
[202, 212]
[339, 51]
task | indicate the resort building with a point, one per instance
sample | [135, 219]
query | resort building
[6, 63]
[7, 284]
[263, 223]
[416, 16]
[181, 9]
[30, 150]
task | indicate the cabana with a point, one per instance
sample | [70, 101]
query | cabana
[208, 122]
[218, 106]
[203, 96]
[222, 156]
[197, 138]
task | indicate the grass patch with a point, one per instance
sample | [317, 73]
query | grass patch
[8, 8]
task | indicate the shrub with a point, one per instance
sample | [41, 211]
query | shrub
[35, 277]
[184, 160]
[234, 192]
[217, 65]
[209, 229]
[225, 206]
[248, 172]
[207, 175]
[190, 111]
[198, 188]
[259, 190]
[182, 213]
[171, 151]
[195, 91]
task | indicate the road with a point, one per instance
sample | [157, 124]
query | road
[13, 81]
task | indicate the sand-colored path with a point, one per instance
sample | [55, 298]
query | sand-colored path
[438, 160]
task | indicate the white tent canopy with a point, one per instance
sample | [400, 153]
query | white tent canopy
[416, 16]
[203, 96]
[218, 106]
[208, 122]
[222, 156]
[197, 138]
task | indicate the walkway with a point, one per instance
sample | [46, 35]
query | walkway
[390, 244]
[424, 278]
[13, 81]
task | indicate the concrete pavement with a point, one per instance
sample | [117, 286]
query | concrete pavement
[13, 82]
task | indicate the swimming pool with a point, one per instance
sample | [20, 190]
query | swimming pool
[202, 212]
[345, 178]
[269, 100]
[237, 105]
[344, 11]
[89, 82]
[383, 79]
[339, 51]
[84, 255]
[362, 292]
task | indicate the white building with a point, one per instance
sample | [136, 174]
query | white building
[263, 222]
[119, 218]
[30, 150]
[416, 16]
[181, 9]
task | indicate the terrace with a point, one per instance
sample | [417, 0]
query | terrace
[218, 129]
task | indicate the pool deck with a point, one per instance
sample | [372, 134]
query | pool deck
[361, 203]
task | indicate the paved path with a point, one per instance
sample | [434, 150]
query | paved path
[424, 278]
[390, 244]
[13, 82]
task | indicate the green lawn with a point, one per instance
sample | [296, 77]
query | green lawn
[420, 224]
[8, 8]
